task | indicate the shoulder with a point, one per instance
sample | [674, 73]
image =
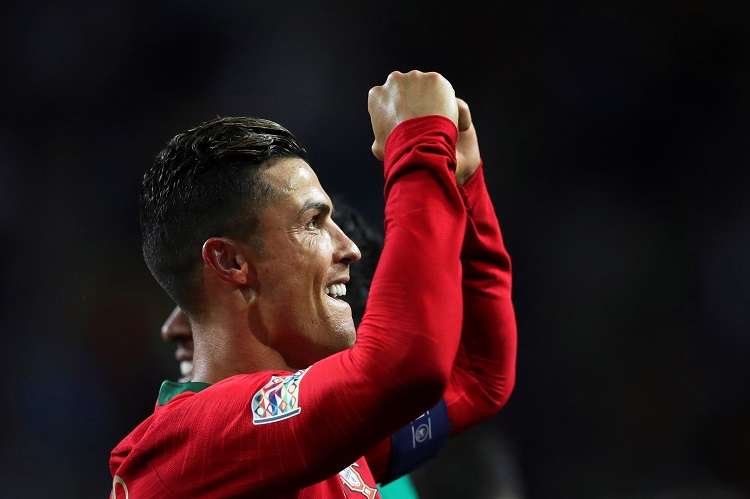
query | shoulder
[123, 449]
[243, 385]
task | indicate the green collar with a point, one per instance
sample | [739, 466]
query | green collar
[170, 389]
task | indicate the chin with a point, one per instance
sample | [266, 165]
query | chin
[344, 336]
[351, 338]
[349, 332]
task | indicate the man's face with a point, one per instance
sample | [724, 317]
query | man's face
[303, 263]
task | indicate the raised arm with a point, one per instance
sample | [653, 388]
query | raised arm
[483, 375]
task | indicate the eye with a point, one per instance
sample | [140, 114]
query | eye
[314, 222]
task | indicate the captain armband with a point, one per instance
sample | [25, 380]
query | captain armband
[418, 441]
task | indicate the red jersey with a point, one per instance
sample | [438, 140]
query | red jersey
[306, 434]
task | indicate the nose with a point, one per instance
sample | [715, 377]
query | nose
[346, 250]
[176, 327]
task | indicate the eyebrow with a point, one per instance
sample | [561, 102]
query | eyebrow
[321, 206]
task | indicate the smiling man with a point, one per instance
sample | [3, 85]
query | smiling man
[176, 331]
[284, 402]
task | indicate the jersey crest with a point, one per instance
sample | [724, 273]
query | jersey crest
[278, 399]
[353, 481]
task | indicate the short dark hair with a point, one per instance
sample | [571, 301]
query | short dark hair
[206, 182]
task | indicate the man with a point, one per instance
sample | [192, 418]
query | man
[176, 328]
[239, 232]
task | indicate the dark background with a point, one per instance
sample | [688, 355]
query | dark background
[615, 138]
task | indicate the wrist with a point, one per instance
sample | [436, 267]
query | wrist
[435, 129]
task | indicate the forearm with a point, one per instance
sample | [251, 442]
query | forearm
[483, 255]
[484, 373]
[413, 317]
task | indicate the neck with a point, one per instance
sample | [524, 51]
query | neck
[229, 348]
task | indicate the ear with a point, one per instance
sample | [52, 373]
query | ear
[227, 260]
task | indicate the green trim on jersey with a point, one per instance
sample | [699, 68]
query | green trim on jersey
[170, 389]
[403, 488]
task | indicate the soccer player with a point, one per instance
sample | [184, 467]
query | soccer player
[239, 232]
[176, 328]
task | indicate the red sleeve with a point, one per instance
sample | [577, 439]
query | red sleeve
[402, 359]
[483, 375]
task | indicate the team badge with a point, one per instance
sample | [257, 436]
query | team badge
[353, 481]
[278, 399]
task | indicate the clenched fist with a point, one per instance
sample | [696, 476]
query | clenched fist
[406, 96]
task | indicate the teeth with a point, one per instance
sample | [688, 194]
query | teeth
[186, 367]
[336, 290]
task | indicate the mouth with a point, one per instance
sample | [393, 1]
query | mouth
[186, 368]
[184, 356]
[336, 291]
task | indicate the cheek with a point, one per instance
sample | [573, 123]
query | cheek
[325, 250]
[326, 243]
[316, 243]
[290, 274]
[315, 257]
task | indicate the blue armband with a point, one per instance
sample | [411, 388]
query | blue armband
[418, 441]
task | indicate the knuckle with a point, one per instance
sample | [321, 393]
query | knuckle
[437, 79]
[374, 95]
